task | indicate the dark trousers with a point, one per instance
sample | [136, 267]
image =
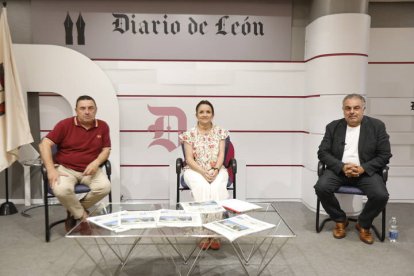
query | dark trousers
[372, 186]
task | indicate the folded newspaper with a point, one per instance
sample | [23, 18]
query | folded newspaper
[204, 207]
[178, 218]
[238, 226]
[126, 220]
[238, 206]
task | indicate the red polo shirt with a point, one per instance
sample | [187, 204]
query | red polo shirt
[77, 146]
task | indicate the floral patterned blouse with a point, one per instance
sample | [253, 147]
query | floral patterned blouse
[205, 146]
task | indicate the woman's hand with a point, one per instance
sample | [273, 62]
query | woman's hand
[207, 175]
[210, 175]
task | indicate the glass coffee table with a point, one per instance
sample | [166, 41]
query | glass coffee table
[111, 251]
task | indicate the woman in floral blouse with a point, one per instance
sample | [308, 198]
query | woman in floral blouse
[204, 147]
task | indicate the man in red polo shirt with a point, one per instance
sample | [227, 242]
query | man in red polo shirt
[83, 145]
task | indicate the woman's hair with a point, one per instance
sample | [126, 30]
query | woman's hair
[207, 103]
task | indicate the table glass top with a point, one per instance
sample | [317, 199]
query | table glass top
[267, 213]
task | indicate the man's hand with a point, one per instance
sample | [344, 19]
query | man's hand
[347, 169]
[53, 177]
[352, 170]
[357, 171]
[92, 168]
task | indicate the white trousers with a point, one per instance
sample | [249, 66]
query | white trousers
[202, 190]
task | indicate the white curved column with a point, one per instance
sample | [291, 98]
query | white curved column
[336, 54]
[49, 68]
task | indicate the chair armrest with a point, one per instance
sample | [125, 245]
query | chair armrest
[179, 165]
[233, 165]
[108, 168]
[321, 168]
[385, 174]
[44, 174]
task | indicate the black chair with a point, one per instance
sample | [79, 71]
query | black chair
[79, 189]
[351, 190]
[229, 162]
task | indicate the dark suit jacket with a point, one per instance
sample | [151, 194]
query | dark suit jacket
[374, 148]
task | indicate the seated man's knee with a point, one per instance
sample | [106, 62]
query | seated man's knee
[380, 196]
[107, 188]
[383, 197]
[321, 187]
[103, 188]
[61, 190]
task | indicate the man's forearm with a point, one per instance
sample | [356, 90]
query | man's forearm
[103, 156]
[46, 155]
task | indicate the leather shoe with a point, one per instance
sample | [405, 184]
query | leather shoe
[215, 244]
[364, 234]
[85, 228]
[204, 244]
[339, 231]
[70, 222]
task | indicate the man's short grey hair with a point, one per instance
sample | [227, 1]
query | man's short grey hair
[350, 96]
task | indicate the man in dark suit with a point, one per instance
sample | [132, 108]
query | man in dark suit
[354, 149]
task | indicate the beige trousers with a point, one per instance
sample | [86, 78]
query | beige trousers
[98, 183]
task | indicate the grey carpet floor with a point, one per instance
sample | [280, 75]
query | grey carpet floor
[24, 252]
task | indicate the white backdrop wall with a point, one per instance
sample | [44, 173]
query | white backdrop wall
[337, 54]
[391, 93]
[257, 102]
[276, 111]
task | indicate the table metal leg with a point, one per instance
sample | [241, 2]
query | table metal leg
[271, 258]
[255, 247]
[200, 253]
[185, 259]
[92, 259]
[244, 261]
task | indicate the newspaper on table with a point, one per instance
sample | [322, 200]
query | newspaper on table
[139, 219]
[126, 220]
[204, 207]
[178, 218]
[238, 206]
[238, 226]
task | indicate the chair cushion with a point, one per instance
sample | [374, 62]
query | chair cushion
[349, 190]
[79, 189]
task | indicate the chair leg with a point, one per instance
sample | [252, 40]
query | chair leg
[178, 187]
[318, 206]
[178, 194]
[381, 236]
[383, 224]
[47, 228]
[46, 204]
[320, 226]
